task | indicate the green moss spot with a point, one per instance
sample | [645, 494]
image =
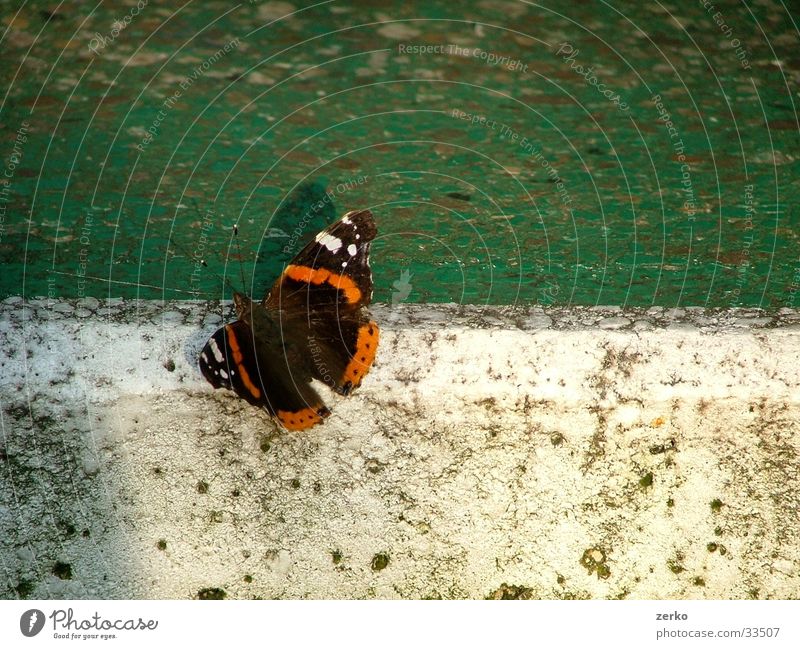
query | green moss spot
[295, 483]
[62, 570]
[202, 487]
[511, 592]
[646, 480]
[556, 439]
[211, 593]
[336, 556]
[264, 445]
[25, 588]
[699, 581]
[753, 592]
[718, 531]
[723, 550]
[380, 561]
[161, 545]
[716, 505]
[248, 579]
[670, 502]
[560, 580]
[657, 449]
[569, 596]
[215, 516]
[675, 567]
[712, 547]
[594, 560]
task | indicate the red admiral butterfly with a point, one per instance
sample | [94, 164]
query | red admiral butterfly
[312, 324]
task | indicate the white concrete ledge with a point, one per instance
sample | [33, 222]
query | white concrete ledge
[562, 453]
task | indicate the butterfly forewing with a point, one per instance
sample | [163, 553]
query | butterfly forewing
[331, 272]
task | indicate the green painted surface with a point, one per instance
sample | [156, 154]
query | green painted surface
[563, 195]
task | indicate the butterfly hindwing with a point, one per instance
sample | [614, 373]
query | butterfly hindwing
[342, 351]
[224, 363]
[233, 358]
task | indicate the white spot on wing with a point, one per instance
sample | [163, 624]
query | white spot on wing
[329, 241]
[216, 350]
[346, 219]
[352, 250]
[223, 374]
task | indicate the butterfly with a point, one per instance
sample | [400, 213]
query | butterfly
[312, 324]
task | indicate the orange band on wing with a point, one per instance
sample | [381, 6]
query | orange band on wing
[364, 355]
[237, 358]
[302, 419]
[321, 276]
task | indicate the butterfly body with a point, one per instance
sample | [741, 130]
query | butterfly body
[312, 324]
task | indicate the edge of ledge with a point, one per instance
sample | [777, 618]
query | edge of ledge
[400, 316]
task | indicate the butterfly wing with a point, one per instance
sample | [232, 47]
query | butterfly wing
[323, 293]
[331, 271]
[259, 372]
[343, 350]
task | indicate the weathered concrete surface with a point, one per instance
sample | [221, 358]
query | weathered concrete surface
[581, 453]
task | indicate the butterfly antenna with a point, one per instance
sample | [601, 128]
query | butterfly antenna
[194, 257]
[239, 253]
